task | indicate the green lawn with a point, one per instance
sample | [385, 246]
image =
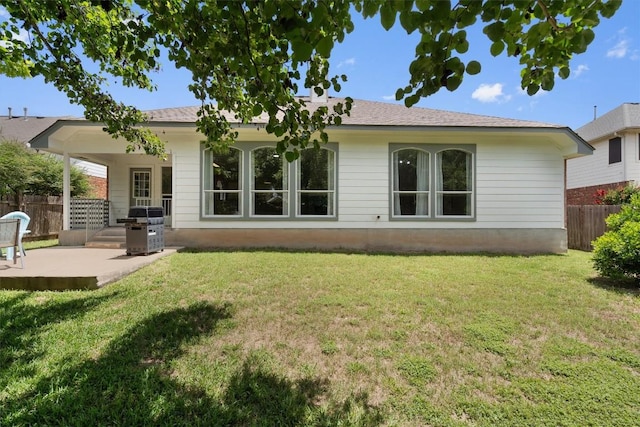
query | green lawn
[272, 338]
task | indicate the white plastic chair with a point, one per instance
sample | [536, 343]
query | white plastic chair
[24, 223]
[10, 235]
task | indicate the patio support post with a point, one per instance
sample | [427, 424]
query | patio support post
[66, 192]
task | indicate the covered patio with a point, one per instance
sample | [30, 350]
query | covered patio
[134, 178]
[61, 268]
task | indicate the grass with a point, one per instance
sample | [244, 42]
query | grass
[35, 244]
[268, 338]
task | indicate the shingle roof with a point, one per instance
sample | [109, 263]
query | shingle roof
[23, 130]
[626, 116]
[372, 113]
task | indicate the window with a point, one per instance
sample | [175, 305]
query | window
[316, 183]
[222, 183]
[251, 180]
[615, 150]
[455, 183]
[269, 195]
[432, 181]
[411, 182]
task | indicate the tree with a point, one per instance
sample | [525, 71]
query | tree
[23, 171]
[251, 57]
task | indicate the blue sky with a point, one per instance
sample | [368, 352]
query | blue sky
[376, 63]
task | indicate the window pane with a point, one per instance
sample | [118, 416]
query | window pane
[226, 170]
[615, 150]
[407, 204]
[455, 170]
[222, 183]
[268, 172]
[269, 203]
[315, 168]
[405, 164]
[411, 182]
[269, 183]
[222, 203]
[455, 204]
[314, 204]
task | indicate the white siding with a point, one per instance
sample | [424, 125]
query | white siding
[519, 184]
[186, 190]
[631, 146]
[595, 169]
[92, 169]
[119, 182]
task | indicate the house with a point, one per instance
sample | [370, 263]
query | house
[390, 179]
[23, 128]
[616, 159]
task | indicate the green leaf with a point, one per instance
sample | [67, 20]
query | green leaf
[547, 82]
[291, 156]
[301, 50]
[564, 72]
[399, 94]
[257, 110]
[387, 16]
[473, 68]
[325, 46]
[453, 82]
[494, 31]
[497, 48]
[409, 20]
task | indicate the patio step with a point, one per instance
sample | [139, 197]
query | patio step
[108, 238]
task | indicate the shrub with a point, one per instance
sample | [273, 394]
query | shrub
[616, 196]
[617, 252]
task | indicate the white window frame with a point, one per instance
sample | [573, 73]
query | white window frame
[208, 160]
[330, 191]
[438, 184]
[417, 192]
[434, 199]
[247, 182]
[286, 168]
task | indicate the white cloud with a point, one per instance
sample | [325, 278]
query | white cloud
[389, 97]
[619, 50]
[349, 61]
[490, 93]
[622, 45]
[580, 69]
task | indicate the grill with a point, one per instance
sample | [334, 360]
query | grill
[144, 230]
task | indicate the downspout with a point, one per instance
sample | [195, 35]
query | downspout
[66, 192]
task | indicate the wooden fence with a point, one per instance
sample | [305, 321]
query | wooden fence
[586, 223]
[45, 213]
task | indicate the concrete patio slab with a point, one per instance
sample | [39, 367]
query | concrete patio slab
[64, 268]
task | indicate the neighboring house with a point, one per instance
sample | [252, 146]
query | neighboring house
[616, 159]
[24, 128]
[391, 179]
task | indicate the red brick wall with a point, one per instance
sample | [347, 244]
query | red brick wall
[98, 187]
[587, 195]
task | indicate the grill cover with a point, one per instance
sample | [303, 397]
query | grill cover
[146, 212]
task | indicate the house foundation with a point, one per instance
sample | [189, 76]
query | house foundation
[388, 240]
